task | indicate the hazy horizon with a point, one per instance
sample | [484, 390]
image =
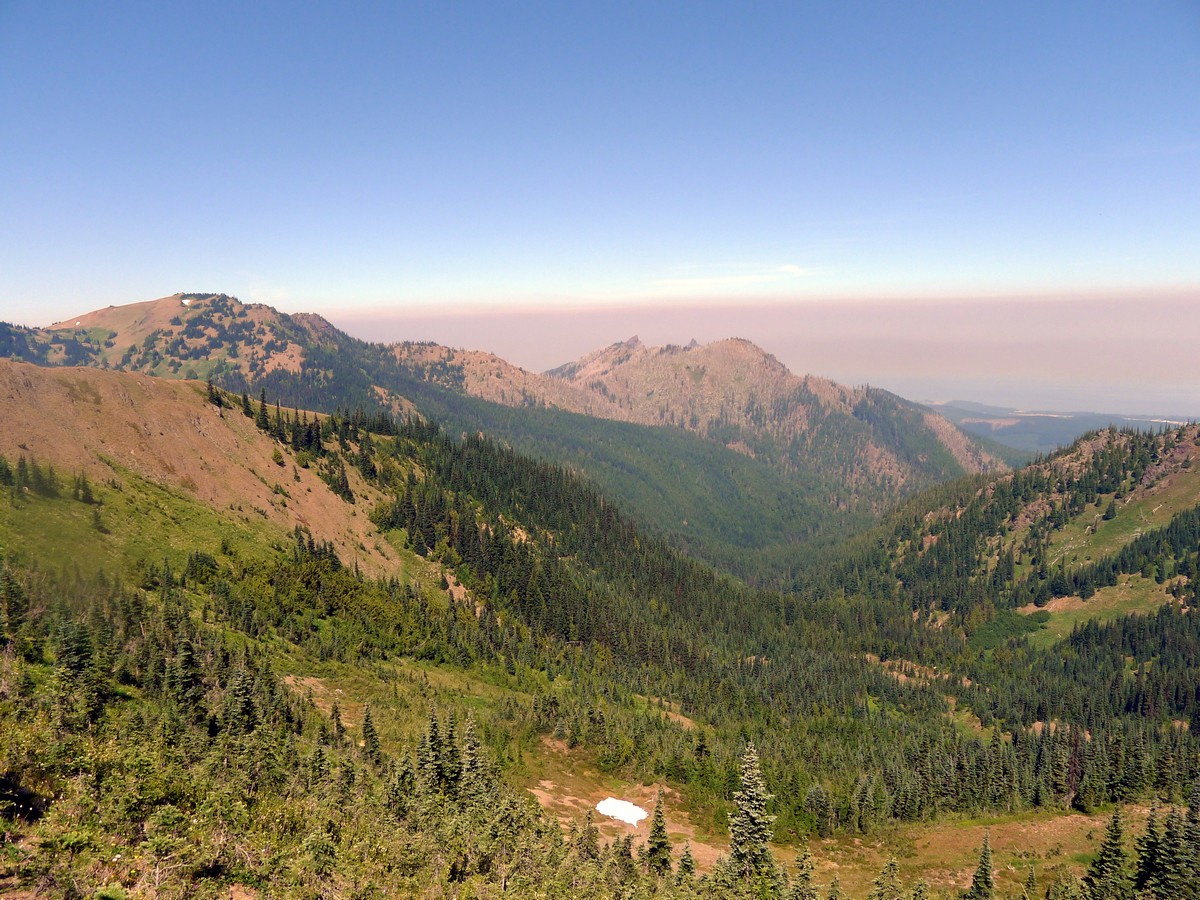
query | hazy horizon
[1118, 355]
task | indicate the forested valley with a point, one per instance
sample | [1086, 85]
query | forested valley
[162, 737]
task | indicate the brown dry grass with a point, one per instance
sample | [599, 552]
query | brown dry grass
[568, 787]
[946, 855]
[167, 432]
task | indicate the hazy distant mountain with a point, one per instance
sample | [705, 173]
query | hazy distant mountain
[736, 394]
[1036, 431]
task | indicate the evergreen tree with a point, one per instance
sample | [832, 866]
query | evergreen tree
[1177, 862]
[1029, 891]
[430, 777]
[658, 844]
[887, 883]
[802, 887]
[261, 420]
[13, 605]
[983, 885]
[587, 844]
[370, 737]
[687, 863]
[1149, 850]
[1064, 887]
[750, 826]
[335, 716]
[472, 786]
[1107, 877]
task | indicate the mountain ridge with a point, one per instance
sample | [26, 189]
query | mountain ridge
[835, 454]
[748, 388]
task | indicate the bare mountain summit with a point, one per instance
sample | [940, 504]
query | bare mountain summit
[735, 393]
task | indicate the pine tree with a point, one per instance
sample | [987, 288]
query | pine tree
[1107, 877]
[983, 886]
[1191, 835]
[887, 883]
[835, 890]
[13, 605]
[370, 737]
[802, 887]
[1064, 887]
[1177, 863]
[1149, 849]
[335, 716]
[1029, 891]
[472, 785]
[429, 757]
[687, 864]
[920, 890]
[260, 418]
[658, 845]
[587, 846]
[750, 826]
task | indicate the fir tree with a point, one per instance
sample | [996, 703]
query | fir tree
[1149, 850]
[13, 605]
[887, 883]
[1064, 887]
[1107, 877]
[1029, 891]
[658, 845]
[335, 716]
[750, 826]
[1177, 862]
[370, 737]
[429, 757]
[687, 864]
[472, 786]
[983, 886]
[802, 887]
[261, 420]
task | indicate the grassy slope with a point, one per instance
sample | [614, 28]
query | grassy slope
[1088, 537]
[1134, 594]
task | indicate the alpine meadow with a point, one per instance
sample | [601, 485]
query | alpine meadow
[624, 452]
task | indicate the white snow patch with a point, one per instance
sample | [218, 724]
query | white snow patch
[186, 300]
[621, 809]
[77, 323]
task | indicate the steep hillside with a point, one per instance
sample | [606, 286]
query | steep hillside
[1102, 528]
[111, 427]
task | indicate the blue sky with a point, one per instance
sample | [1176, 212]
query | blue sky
[440, 156]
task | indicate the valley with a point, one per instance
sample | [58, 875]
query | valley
[296, 610]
